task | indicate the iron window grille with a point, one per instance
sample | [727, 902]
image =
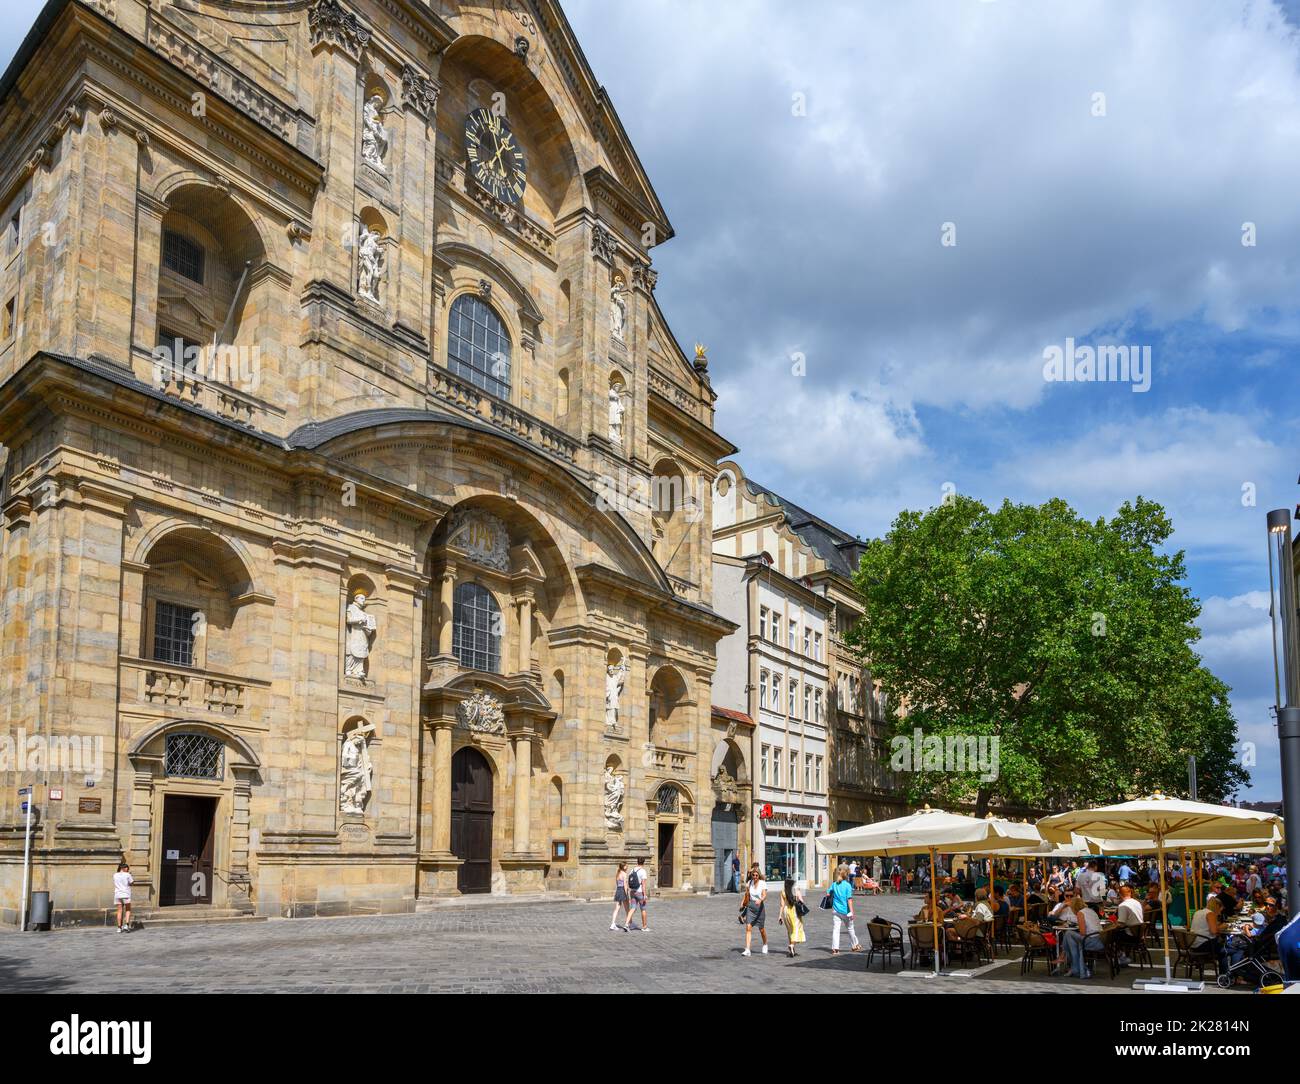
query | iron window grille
[668, 799]
[194, 756]
[183, 255]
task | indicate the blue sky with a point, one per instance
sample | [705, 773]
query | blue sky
[810, 156]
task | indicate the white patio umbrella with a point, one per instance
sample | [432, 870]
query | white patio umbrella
[1162, 821]
[928, 831]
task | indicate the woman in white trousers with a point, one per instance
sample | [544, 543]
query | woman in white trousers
[842, 909]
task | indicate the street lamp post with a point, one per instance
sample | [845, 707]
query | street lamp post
[1286, 668]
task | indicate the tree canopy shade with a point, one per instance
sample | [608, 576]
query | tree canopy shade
[1069, 641]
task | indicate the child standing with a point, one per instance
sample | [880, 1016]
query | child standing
[122, 882]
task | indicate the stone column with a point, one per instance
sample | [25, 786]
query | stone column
[523, 790]
[442, 786]
[445, 609]
[525, 604]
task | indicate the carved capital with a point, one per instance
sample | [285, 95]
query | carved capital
[645, 277]
[332, 25]
[603, 244]
[419, 92]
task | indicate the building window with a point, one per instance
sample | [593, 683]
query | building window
[794, 699]
[808, 780]
[762, 688]
[182, 255]
[817, 705]
[762, 622]
[478, 346]
[763, 775]
[807, 642]
[476, 628]
[807, 702]
[173, 633]
[193, 756]
[794, 632]
[776, 692]
[776, 628]
[668, 799]
[776, 767]
[794, 770]
[10, 307]
[817, 643]
[817, 775]
[15, 230]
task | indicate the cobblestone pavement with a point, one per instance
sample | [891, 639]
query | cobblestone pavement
[694, 946]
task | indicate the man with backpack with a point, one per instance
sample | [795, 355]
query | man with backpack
[637, 882]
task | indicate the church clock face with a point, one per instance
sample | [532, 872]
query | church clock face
[496, 161]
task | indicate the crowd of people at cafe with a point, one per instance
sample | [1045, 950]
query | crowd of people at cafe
[1236, 907]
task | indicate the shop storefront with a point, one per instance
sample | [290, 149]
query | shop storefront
[789, 845]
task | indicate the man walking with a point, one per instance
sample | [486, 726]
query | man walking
[638, 885]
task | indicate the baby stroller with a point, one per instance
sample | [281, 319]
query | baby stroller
[1253, 964]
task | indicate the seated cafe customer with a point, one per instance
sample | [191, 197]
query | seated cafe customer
[982, 909]
[1204, 926]
[1130, 916]
[1087, 938]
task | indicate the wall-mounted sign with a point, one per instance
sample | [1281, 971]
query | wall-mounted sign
[56, 794]
[172, 856]
[784, 819]
[89, 805]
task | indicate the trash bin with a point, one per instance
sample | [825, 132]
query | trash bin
[40, 916]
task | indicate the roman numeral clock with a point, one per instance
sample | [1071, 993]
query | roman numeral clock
[496, 161]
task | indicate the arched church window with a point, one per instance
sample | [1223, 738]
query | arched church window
[476, 628]
[478, 345]
[668, 799]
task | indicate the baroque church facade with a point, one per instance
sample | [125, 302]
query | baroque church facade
[356, 494]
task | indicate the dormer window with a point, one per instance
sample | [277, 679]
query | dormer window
[183, 255]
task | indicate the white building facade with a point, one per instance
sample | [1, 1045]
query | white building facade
[775, 669]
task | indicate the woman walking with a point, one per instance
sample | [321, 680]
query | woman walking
[754, 913]
[792, 911]
[622, 902]
[842, 909]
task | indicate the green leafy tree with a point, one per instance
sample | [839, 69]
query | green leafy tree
[1069, 641]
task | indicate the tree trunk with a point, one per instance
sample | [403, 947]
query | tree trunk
[982, 801]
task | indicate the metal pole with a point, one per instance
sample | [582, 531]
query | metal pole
[1288, 735]
[27, 857]
[1288, 716]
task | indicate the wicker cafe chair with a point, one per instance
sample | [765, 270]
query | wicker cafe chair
[921, 937]
[1036, 948]
[886, 939]
[1133, 943]
[973, 938]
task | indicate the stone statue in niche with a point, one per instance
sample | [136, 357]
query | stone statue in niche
[614, 787]
[356, 776]
[370, 263]
[617, 408]
[374, 136]
[615, 680]
[618, 310]
[361, 629]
